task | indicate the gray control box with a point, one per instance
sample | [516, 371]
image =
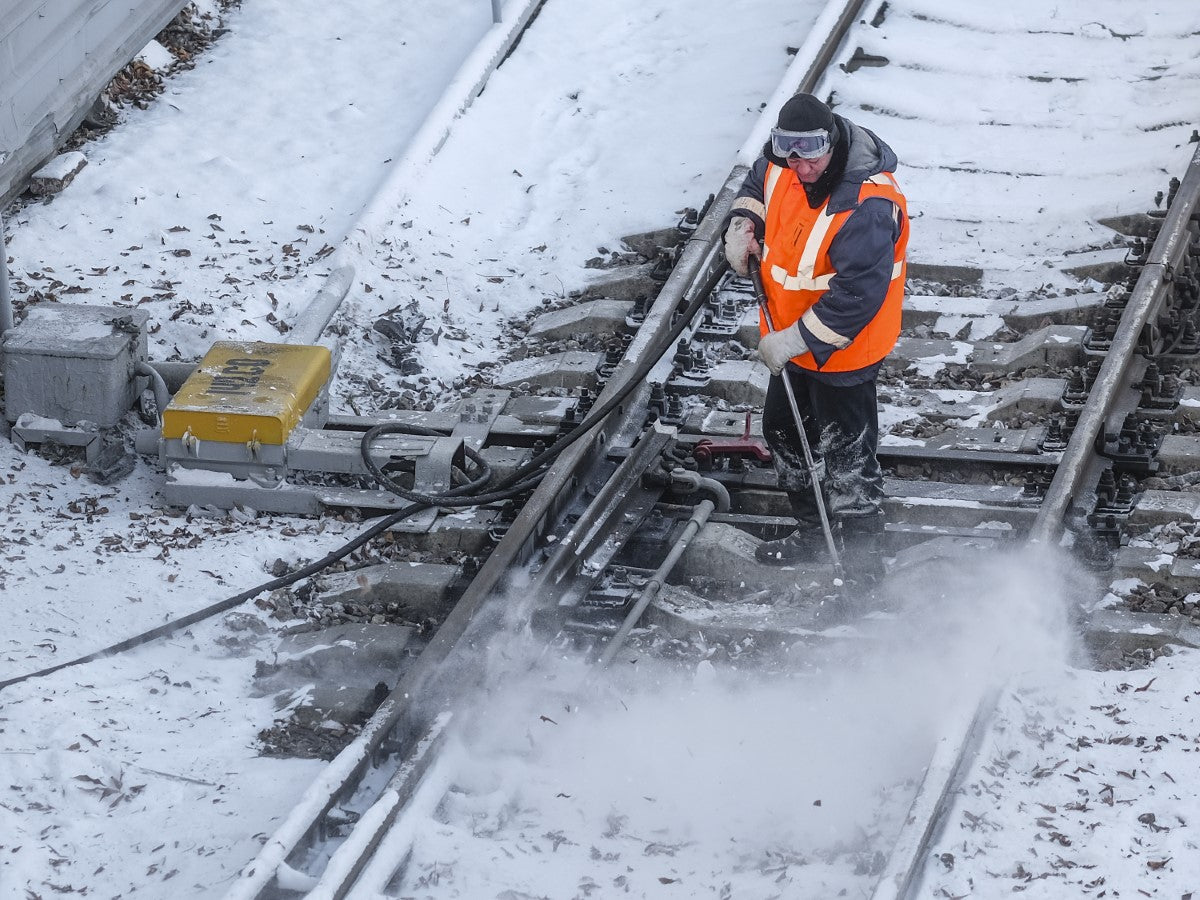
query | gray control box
[74, 363]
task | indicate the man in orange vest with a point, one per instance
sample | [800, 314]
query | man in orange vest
[821, 214]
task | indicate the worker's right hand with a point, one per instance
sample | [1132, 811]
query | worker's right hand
[740, 245]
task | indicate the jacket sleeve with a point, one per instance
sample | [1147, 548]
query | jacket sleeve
[862, 255]
[749, 200]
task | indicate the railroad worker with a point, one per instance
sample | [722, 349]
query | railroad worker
[821, 214]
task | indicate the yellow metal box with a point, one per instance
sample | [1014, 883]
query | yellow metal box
[245, 392]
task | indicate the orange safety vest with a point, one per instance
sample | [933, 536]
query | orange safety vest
[796, 270]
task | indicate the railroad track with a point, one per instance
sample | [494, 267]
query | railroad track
[1011, 459]
[1010, 376]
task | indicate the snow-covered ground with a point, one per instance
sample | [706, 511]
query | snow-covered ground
[206, 210]
[1085, 786]
[217, 211]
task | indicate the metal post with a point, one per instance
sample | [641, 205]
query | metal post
[496, 11]
[6, 315]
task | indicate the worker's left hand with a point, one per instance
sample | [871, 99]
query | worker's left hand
[775, 348]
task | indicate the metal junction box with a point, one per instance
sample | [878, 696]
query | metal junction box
[74, 363]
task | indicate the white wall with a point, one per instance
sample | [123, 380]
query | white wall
[55, 58]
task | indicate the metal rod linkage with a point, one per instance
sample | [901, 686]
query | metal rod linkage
[699, 518]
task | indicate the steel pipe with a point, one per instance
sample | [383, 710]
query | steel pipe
[174, 373]
[1144, 303]
[162, 396]
[314, 317]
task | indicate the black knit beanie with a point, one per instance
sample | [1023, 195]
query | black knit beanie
[804, 112]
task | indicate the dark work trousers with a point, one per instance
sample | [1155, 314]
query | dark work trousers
[842, 424]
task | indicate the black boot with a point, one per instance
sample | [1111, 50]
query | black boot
[862, 542]
[802, 545]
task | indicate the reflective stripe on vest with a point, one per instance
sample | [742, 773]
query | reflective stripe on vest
[797, 270]
[802, 279]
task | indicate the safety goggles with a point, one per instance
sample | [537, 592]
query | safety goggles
[804, 144]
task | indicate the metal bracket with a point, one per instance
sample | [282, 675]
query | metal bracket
[30, 429]
[707, 449]
[336, 451]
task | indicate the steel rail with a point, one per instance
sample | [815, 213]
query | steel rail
[904, 873]
[948, 765]
[351, 858]
[398, 712]
[347, 863]
[1114, 377]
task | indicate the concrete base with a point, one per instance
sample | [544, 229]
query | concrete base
[740, 382]
[465, 531]
[30, 429]
[1152, 565]
[1161, 507]
[1107, 266]
[342, 668]
[944, 274]
[940, 551]
[595, 317]
[1040, 396]
[1178, 454]
[1055, 345]
[569, 370]
[1020, 315]
[648, 243]
[624, 283]
[773, 623]
[719, 552]
[504, 461]
[748, 330]
[1110, 634]
[1132, 224]
[417, 586]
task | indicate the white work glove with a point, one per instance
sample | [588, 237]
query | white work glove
[740, 244]
[775, 348]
